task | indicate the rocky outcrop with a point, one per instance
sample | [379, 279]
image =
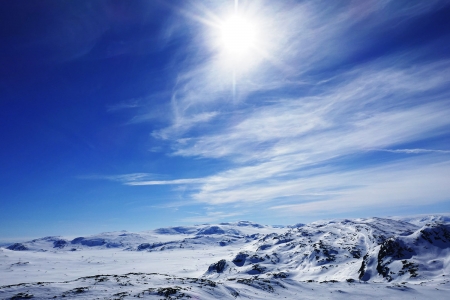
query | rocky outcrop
[59, 244]
[17, 247]
[218, 267]
[91, 242]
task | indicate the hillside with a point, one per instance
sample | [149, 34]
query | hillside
[348, 257]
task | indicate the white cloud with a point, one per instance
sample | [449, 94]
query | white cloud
[277, 148]
[399, 184]
[183, 124]
[413, 151]
[124, 178]
[373, 109]
[286, 128]
[167, 182]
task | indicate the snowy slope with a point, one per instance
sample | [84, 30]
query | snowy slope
[362, 249]
[172, 237]
[421, 220]
[335, 259]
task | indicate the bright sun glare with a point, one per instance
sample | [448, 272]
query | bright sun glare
[238, 36]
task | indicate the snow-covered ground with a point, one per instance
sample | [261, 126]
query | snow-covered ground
[334, 259]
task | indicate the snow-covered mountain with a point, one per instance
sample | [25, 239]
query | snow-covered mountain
[350, 257]
[158, 239]
[421, 220]
[347, 250]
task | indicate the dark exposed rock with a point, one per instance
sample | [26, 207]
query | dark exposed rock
[362, 269]
[255, 258]
[257, 283]
[166, 292]
[91, 242]
[176, 230]
[328, 252]
[355, 252]
[390, 250]
[218, 267]
[438, 234]
[77, 240]
[60, 244]
[410, 267]
[114, 244]
[257, 269]
[240, 258]
[248, 223]
[17, 247]
[211, 230]
[78, 290]
[280, 275]
[144, 246]
[22, 296]
[264, 247]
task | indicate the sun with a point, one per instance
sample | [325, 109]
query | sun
[238, 37]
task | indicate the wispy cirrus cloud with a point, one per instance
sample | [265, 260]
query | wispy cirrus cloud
[413, 151]
[386, 106]
[166, 182]
[132, 103]
[406, 183]
[123, 178]
[182, 125]
[333, 84]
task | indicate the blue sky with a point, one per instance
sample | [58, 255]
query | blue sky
[134, 115]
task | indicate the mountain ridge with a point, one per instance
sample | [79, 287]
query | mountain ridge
[225, 257]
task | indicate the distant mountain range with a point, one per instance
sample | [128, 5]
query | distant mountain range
[395, 251]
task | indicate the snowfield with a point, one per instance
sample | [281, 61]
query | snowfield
[381, 258]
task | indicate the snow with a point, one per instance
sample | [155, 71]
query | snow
[334, 259]
[420, 220]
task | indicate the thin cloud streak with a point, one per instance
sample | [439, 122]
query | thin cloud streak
[412, 185]
[184, 124]
[124, 178]
[167, 182]
[412, 151]
[331, 182]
